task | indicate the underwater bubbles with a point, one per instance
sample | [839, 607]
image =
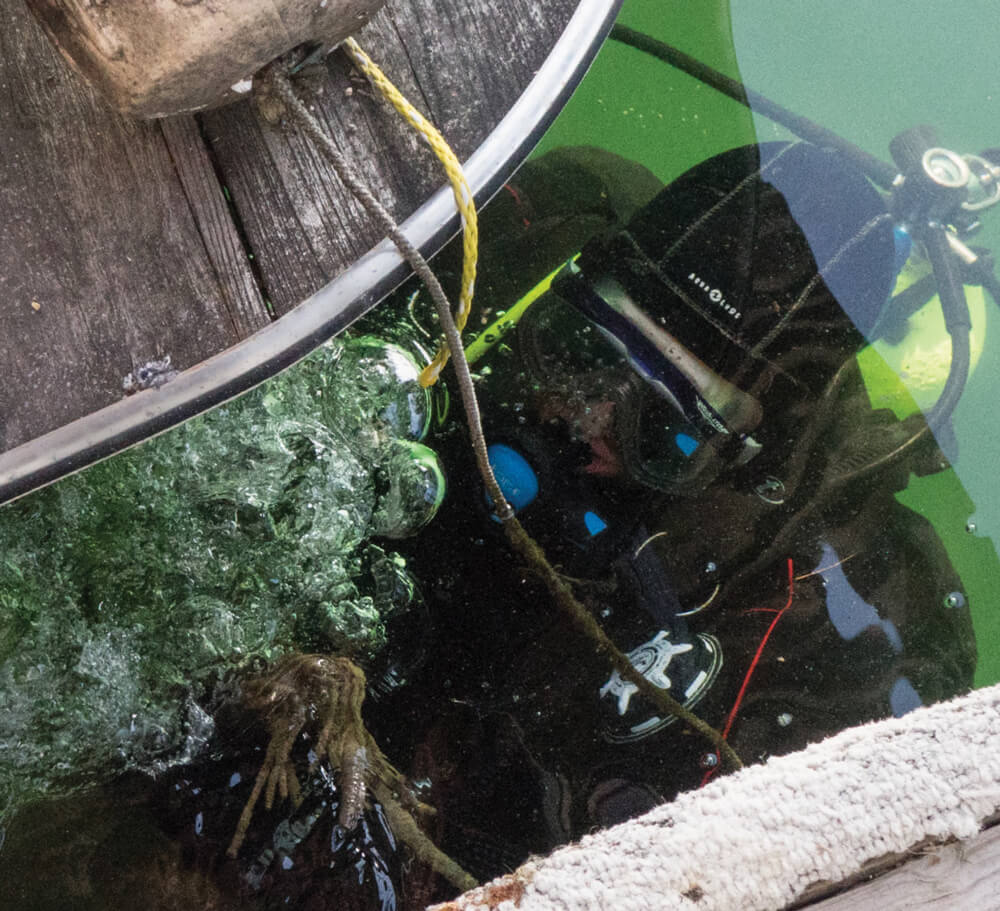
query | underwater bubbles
[130, 590]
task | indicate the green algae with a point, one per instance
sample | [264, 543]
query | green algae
[130, 590]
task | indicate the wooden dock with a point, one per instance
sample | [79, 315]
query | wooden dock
[123, 242]
[958, 876]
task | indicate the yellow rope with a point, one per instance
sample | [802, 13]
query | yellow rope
[460, 187]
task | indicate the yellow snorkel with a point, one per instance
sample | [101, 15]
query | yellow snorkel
[508, 318]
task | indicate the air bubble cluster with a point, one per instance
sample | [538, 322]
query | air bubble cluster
[127, 592]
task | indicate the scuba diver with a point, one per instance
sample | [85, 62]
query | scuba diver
[677, 415]
[676, 411]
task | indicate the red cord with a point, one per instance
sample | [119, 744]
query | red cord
[753, 666]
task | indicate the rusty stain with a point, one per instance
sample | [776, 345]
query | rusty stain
[510, 888]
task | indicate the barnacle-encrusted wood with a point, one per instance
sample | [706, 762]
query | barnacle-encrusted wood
[157, 59]
[320, 692]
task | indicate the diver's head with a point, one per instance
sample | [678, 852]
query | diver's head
[692, 340]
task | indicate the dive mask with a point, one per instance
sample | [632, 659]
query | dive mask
[677, 423]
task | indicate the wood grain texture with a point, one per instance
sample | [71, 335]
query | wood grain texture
[961, 876]
[117, 244]
[102, 265]
[208, 205]
[463, 62]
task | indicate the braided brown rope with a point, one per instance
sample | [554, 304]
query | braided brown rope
[520, 540]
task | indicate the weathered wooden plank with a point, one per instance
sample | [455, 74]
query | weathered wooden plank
[116, 245]
[237, 284]
[954, 877]
[463, 61]
[102, 265]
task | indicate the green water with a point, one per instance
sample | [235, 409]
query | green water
[131, 591]
[867, 71]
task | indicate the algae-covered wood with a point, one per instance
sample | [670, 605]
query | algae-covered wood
[122, 242]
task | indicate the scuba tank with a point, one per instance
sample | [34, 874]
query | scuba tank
[157, 59]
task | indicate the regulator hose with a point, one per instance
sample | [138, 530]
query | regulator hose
[878, 171]
[955, 309]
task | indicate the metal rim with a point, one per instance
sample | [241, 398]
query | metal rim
[334, 307]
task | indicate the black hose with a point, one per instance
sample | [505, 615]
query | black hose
[982, 274]
[877, 170]
[946, 276]
[955, 309]
[891, 325]
[991, 284]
